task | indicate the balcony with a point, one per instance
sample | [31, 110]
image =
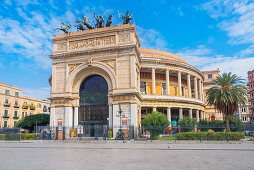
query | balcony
[15, 117]
[16, 106]
[32, 107]
[25, 107]
[7, 104]
[6, 116]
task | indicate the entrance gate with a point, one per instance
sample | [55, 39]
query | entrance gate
[93, 111]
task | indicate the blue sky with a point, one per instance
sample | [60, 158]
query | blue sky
[208, 34]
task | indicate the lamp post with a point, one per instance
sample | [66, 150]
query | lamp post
[120, 114]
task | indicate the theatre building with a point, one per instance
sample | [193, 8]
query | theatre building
[93, 71]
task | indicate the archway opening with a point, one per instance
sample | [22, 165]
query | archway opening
[93, 111]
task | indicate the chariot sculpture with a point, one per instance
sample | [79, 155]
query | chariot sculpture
[99, 22]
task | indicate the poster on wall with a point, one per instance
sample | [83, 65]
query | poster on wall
[124, 123]
[60, 124]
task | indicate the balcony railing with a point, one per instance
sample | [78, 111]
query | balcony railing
[32, 107]
[16, 106]
[15, 117]
[6, 116]
[25, 107]
[7, 104]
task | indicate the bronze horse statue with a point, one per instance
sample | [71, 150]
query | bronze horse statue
[87, 23]
[65, 28]
[80, 26]
[109, 21]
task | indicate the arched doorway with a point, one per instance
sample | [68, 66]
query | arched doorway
[93, 111]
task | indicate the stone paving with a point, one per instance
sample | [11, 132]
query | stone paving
[131, 155]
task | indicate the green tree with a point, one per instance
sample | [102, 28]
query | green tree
[227, 94]
[187, 124]
[29, 122]
[155, 123]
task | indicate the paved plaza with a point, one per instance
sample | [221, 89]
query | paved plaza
[131, 155]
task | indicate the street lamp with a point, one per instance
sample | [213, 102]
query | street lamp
[120, 113]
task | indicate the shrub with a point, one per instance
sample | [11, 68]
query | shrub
[203, 125]
[29, 122]
[236, 125]
[30, 136]
[217, 125]
[187, 124]
[155, 123]
[110, 134]
[2, 136]
[210, 136]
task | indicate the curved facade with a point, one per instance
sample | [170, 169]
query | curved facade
[140, 80]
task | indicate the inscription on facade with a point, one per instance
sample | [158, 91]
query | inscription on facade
[92, 42]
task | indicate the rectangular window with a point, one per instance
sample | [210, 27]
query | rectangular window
[5, 124]
[7, 91]
[15, 113]
[16, 93]
[6, 101]
[143, 87]
[163, 87]
[16, 103]
[5, 112]
[15, 123]
[210, 76]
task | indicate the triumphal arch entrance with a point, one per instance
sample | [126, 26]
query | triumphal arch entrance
[93, 71]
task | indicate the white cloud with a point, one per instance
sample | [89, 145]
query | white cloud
[236, 66]
[30, 38]
[236, 18]
[150, 38]
[200, 56]
[40, 93]
[247, 51]
[204, 59]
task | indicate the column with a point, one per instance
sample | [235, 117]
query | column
[190, 113]
[52, 117]
[200, 90]
[179, 83]
[134, 122]
[197, 115]
[154, 108]
[68, 117]
[196, 87]
[116, 119]
[167, 82]
[75, 117]
[180, 113]
[153, 81]
[110, 116]
[139, 81]
[169, 115]
[189, 85]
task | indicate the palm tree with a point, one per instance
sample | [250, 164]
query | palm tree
[227, 94]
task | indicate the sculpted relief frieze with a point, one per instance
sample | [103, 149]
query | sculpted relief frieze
[124, 37]
[110, 63]
[73, 66]
[92, 42]
[61, 46]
